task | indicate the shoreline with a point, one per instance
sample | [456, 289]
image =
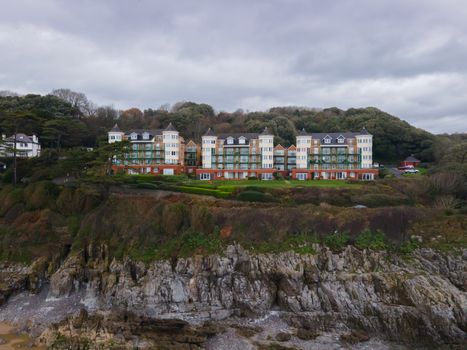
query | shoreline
[11, 340]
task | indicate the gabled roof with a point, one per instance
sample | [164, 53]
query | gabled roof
[247, 135]
[20, 138]
[115, 128]
[191, 143]
[292, 148]
[303, 132]
[411, 158]
[279, 147]
[209, 132]
[139, 133]
[170, 127]
[364, 131]
[266, 132]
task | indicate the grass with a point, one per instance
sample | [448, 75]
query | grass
[228, 185]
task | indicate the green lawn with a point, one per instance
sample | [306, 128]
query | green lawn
[229, 185]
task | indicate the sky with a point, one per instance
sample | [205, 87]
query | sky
[406, 57]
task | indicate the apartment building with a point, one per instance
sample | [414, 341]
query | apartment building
[26, 146]
[237, 156]
[341, 155]
[158, 151]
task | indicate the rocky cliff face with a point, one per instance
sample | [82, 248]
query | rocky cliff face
[419, 300]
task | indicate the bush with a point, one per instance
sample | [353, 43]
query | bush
[408, 246]
[370, 240]
[148, 186]
[203, 191]
[337, 240]
[255, 196]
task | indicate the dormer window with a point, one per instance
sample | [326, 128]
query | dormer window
[145, 135]
[230, 140]
[340, 139]
[327, 139]
[134, 136]
[241, 140]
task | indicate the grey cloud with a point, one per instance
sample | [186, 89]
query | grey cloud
[408, 58]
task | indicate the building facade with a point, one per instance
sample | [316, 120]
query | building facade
[237, 156]
[158, 151]
[315, 156]
[26, 146]
[341, 155]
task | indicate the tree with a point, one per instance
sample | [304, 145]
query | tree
[66, 130]
[76, 99]
[107, 154]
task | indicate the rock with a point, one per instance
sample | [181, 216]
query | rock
[283, 336]
[354, 337]
[306, 334]
[419, 300]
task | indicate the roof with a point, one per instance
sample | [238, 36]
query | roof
[236, 136]
[191, 143]
[209, 132]
[115, 128]
[292, 148]
[170, 127]
[20, 138]
[334, 136]
[364, 131]
[303, 132]
[279, 147]
[411, 158]
[266, 132]
[140, 133]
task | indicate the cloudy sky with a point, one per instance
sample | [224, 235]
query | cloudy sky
[406, 57]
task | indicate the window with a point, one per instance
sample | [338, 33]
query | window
[302, 176]
[230, 141]
[205, 176]
[241, 140]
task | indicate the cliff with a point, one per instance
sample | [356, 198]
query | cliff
[419, 300]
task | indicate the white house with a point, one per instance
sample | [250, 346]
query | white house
[26, 146]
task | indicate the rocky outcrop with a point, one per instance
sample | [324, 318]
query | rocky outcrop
[418, 299]
[15, 278]
[126, 331]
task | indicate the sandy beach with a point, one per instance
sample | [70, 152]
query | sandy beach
[9, 340]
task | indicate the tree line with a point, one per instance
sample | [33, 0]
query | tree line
[67, 119]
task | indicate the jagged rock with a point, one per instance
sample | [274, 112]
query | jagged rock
[306, 334]
[421, 299]
[355, 336]
[283, 336]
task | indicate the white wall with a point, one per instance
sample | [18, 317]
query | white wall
[171, 141]
[115, 136]
[365, 145]
[303, 151]
[266, 145]
[208, 143]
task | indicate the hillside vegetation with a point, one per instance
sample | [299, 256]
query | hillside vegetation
[59, 124]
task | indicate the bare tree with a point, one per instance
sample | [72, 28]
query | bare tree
[76, 99]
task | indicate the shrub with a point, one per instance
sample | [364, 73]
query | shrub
[336, 240]
[255, 196]
[203, 191]
[370, 240]
[148, 186]
[408, 246]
